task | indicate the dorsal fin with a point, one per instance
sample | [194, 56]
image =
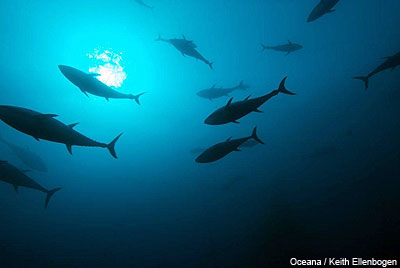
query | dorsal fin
[290, 42]
[247, 97]
[229, 103]
[228, 139]
[73, 125]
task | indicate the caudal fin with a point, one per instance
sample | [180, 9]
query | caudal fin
[364, 79]
[136, 97]
[264, 47]
[282, 88]
[242, 86]
[111, 146]
[254, 136]
[49, 195]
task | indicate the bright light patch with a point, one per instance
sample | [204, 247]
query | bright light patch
[107, 63]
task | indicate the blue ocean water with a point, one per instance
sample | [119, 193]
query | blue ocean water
[324, 184]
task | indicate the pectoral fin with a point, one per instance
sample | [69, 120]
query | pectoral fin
[258, 111]
[84, 92]
[236, 122]
[237, 150]
[69, 148]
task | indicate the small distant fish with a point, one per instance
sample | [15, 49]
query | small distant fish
[288, 48]
[220, 150]
[323, 7]
[88, 83]
[215, 93]
[391, 62]
[16, 177]
[231, 112]
[45, 127]
[30, 159]
[140, 2]
[186, 47]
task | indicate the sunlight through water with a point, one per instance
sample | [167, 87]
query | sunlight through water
[108, 64]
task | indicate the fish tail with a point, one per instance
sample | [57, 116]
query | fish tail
[254, 135]
[136, 97]
[264, 47]
[242, 86]
[364, 79]
[49, 195]
[282, 88]
[111, 146]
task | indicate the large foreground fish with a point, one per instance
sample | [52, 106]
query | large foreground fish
[391, 62]
[16, 177]
[186, 47]
[88, 83]
[46, 127]
[29, 158]
[323, 7]
[233, 111]
[222, 149]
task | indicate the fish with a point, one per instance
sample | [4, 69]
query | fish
[140, 2]
[288, 48]
[46, 127]
[323, 7]
[233, 111]
[186, 47]
[391, 62]
[88, 83]
[29, 158]
[215, 93]
[18, 178]
[222, 149]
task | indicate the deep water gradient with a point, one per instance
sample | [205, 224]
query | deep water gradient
[324, 185]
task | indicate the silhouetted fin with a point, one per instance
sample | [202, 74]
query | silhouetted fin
[73, 125]
[213, 86]
[228, 139]
[184, 37]
[237, 150]
[290, 42]
[332, 10]
[69, 148]
[282, 88]
[236, 122]
[229, 102]
[211, 65]
[107, 99]
[111, 146]
[36, 138]
[364, 79]
[49, 195]
[254, 136]
[84, 92]
[15, 188]
[247, 97]
[287, 53]
[136, 97]
[258, 111]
